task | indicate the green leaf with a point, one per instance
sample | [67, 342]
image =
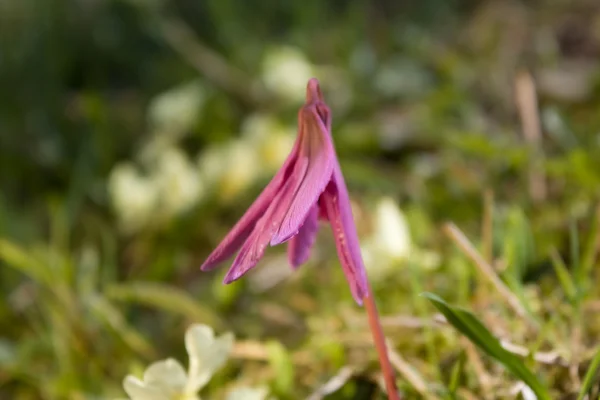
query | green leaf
[457, 371]
[519, 251]
[574, 248]
[165, 297]
[23, 261]
[564, 277]
[590, 251]
[591, 373]
[467, 324]
[519, 246]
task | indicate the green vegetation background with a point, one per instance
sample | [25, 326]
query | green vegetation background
[134, 133]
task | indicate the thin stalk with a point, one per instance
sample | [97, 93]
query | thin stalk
[380, 346]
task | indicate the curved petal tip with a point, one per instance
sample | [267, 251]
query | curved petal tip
[313, 91]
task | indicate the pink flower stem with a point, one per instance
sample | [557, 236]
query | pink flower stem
[380, 345]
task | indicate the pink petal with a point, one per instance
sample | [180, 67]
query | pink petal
[254, 248]
[314, 123]
[299, 246]
[243, 228]
[336, 202]
[313, 91]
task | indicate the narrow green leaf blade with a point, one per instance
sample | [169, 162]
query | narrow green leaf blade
[165, 297]
[22, 260]
[564, 276]
[467, 324]
[114, 319]
[588, 381]
[590, 252]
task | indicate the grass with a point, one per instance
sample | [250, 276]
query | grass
[82, 330]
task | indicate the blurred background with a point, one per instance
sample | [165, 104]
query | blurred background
[134, 133]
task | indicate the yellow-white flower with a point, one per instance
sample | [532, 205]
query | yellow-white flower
[232, 167]
[271, 139]
[163, 380]
[261, 149]
[133, 196]
[286, 71]
[392, 234]
[176, 111]
[168, 380]
[389, 241]
[178, 182]
[243, 167]
[172, 186]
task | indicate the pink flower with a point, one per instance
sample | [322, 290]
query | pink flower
[308, 187]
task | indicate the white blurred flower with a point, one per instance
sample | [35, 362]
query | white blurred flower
[389, 241]
[286, 72]
[232, 167]
[178, 182]
[392, 234]
[172, 115]
[258, 127]
[243, 166]
[275, 150]
[163, 380]
[176, 111]
[168, 380]
[133, 196]
[173, 186]
[272, 140]
[206, 353]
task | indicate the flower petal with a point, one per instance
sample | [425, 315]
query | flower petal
[163, 380]
[336, 202]
[138, 390]
[299, 246]
[243, 228]
[168, 373]
[314, 122]
[206, 354]
[254, 248]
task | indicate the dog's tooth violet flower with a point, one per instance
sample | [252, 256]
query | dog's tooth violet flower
[308, 186]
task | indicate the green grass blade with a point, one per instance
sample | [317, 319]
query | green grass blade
[574, 248]
[457, 371]
[564, 276]
[591, 373]
[590, 251]
[164, 297]
[113, 318]
[22, 260]
[467, 324]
